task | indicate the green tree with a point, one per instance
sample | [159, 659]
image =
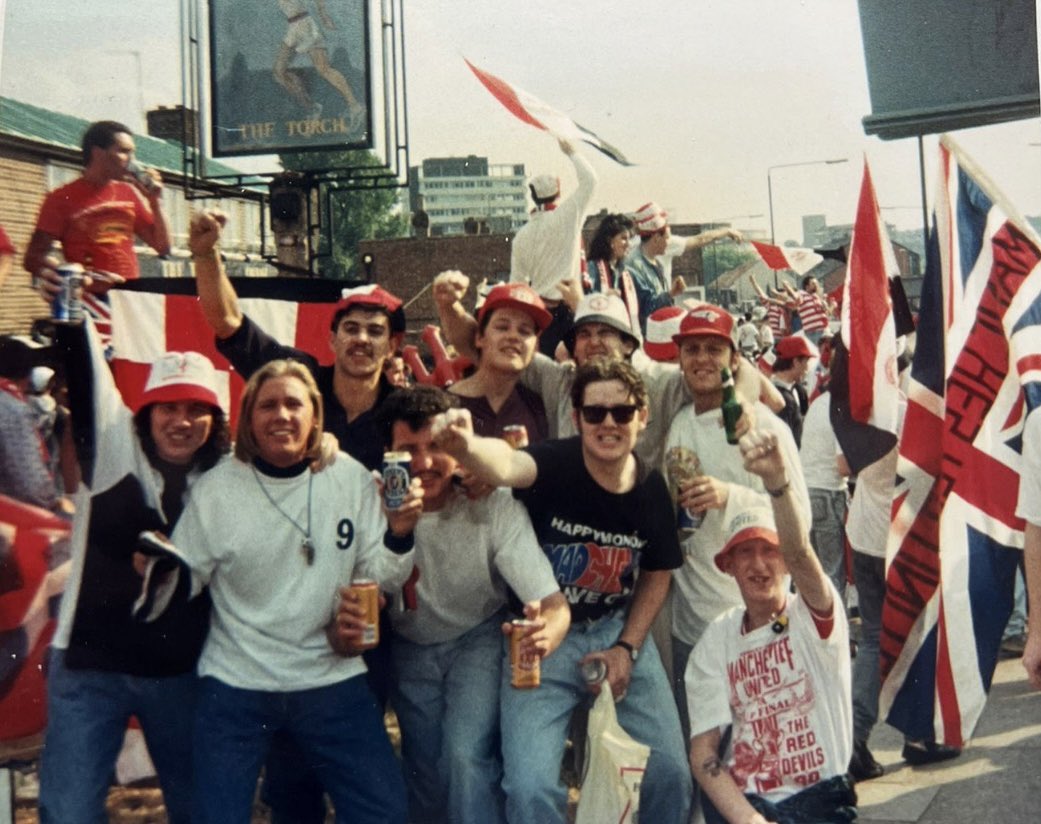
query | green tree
[355, 214]
[717, 258]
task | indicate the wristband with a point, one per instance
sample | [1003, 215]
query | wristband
[629, 648]
[779, 492]
[398, 545]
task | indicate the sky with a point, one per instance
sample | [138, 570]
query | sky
[704, 96]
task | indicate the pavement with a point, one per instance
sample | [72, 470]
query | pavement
[997, 778]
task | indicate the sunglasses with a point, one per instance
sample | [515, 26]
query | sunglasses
[621, 414]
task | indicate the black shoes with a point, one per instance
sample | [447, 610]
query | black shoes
[863, 766]
[917, 753]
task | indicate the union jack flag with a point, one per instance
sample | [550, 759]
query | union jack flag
[955, 539]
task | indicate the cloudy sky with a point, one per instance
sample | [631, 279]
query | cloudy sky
[703, 95]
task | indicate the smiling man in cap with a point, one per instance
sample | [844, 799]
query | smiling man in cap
[701, 591]
[775, 668]
[366, 328]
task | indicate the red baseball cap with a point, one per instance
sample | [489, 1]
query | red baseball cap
[516, 296]
[708, 320]
[373, 296]
[747, 517]
[794, 346]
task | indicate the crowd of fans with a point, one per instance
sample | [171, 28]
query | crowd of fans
[210, 594]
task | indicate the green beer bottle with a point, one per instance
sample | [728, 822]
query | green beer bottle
[731, 406]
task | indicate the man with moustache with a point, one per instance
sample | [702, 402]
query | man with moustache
[367, 328]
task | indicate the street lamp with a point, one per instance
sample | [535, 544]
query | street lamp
[769, 183]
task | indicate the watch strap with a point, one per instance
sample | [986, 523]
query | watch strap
[633, 652]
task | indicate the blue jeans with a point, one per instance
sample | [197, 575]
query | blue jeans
[447, 701]
[87, 715]
[535, 722]
[828, 533]
[869, 575]
[338, 728]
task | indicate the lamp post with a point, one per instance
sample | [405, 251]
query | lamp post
[769, 183]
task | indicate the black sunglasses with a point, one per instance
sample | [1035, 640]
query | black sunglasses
[621, 414]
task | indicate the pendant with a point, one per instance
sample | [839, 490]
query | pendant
[307, 548]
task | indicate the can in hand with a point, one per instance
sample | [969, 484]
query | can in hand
[368, 593]
[594, 671]
[516, 435]
[682, 466]
[67, 304]
[395, 478]
[526, 674]
[142, 176]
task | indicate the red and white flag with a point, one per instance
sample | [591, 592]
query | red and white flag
[797, 259]
[541, 115]
[868, 330]
[151, 316]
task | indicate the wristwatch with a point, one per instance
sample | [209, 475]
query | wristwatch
[634, 653]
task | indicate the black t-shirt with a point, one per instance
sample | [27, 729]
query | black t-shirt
[250, 347]
[596, 539]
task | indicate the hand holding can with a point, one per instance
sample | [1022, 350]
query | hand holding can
[525, 666]
[682, 466]
[396, 478]
[367, 593]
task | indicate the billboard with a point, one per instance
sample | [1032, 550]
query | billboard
[289, 75]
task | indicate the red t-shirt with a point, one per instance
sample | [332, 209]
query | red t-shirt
[97, 225]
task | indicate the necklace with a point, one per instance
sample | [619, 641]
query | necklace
[307, 547]
[778, 622]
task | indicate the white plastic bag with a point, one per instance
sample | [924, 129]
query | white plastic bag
[615, 764]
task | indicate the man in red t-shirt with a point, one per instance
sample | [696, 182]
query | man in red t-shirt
[96, 217]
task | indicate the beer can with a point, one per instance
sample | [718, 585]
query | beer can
[142, 176]
[516, 435]
[594, 671]
[395, 478]
[526, 675]
[368, 593]
[688, 521]
[67, 304]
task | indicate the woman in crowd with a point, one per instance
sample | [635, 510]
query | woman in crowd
[275, 543]
[135, 469]
[508, 326]
[605, 261]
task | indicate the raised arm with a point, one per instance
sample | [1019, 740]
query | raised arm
[491, 460]
[705, 238]
[220, 304]
[458, 326]
[763, 458]
[158, 234]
